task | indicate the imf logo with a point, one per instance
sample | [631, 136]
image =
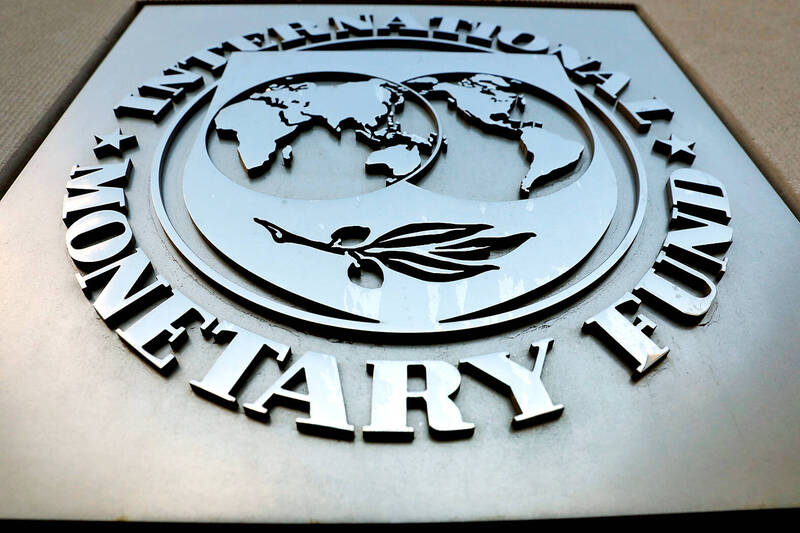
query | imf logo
[384, 215]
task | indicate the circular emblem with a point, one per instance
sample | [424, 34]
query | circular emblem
[368, 225]
[394, 194]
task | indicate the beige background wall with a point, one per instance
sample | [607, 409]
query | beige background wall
[741, 54]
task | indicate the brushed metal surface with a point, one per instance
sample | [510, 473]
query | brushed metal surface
[89, 431]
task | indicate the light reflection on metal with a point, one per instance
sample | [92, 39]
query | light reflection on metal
[375, 319]
[525, 387]
[391, 400]
[631, 340]
[121, 288]
[96, 187]
[698, 193]
[97, 238]
[243, 351]
[265, 122]
[692, 240]
[166, 324]
[488, 101]
[324, 400]
[658, 288]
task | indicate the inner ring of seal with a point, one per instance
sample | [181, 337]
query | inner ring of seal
[367, 328]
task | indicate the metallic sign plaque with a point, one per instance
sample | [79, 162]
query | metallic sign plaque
[355, 263]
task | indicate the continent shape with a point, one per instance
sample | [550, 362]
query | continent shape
[488, 102]
[266, 122]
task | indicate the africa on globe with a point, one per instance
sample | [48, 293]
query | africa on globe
[267, 121]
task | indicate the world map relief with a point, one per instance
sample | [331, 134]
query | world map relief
[268, 121]
[265, 123]
[488, 101]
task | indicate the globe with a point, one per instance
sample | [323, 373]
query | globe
[266, 121]
[431, 247]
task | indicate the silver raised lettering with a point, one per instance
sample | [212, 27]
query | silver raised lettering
[483, 33]
[698, 193]
[521, 42]
[98, 238]
[642, 112]
[695, 238]
[324, 401]
[173, 84]
[251, 42]
[206, 59]
[447, 28]
[93, 188]
[525, 387]
[391, 400]
[403, 24]
[572, 60]
[609, 85]
[166, 323]
[294, 34]
[684, 304]
[344, 27]
[143, 107]
[121, 281]
[243, 351]
[630, 340]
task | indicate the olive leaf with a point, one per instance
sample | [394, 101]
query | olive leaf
[429, 251]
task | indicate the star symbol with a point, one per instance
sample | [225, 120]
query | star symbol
[676, 149]
[114, 144]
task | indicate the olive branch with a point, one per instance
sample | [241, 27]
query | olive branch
[429, 251]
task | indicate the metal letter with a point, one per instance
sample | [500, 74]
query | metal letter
[287, 36]
[93, 188]
[640, 111]
[483, 33]
[447, 27]
[521, 41]
[391, 400]
[404, 24]
[686, 305]
[633, 340]
[166, 322]
[697, 193]
[98, 238]
[120, 281]
[207, 60]
[611, 84]
[140, 107]
[243, 351]
[173, 84]
[690, 242]
[294, 34]
[571, 59]
[324, 401]
[310, 29]
[525, 387]
[350, 26]
[251, 42]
